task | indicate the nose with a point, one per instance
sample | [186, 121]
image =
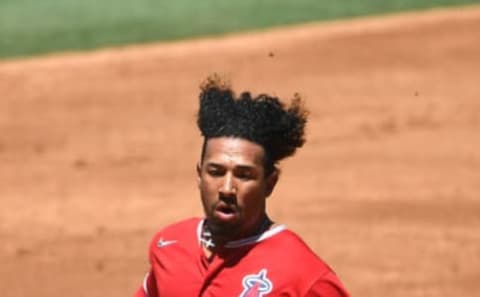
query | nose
[228, 187]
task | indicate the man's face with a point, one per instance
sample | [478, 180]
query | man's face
[233, 186]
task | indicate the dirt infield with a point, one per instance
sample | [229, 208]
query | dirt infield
[97, 152]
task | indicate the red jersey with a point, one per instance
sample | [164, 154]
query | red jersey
[274, 263]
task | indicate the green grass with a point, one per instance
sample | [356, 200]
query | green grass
[31, 27]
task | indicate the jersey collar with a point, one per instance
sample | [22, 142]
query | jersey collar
[245, 241]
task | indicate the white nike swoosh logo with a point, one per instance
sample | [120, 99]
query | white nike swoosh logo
[163, 243]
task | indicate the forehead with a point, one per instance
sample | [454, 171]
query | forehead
[236, 150]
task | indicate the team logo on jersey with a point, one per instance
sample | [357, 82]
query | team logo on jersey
[256, 285]
[163, 243]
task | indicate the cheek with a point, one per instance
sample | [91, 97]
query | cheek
[253, 196]
[207, 190]
[206, 198]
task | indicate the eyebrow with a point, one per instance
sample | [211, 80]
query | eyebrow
[241, 167]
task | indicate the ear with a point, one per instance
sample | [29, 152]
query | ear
[272, 181]
[199, 173]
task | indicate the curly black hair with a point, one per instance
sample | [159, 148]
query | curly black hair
[263, 119]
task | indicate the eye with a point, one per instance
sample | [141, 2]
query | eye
[245, 174]
[215, 171]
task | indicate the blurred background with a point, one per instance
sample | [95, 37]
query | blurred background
[98, 142]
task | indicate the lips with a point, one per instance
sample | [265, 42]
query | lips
[225, 212]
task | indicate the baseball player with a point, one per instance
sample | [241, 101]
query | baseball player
[236, 249]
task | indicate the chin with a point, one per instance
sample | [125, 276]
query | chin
[223, 229]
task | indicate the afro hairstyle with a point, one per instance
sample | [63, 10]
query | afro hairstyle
[263, 119]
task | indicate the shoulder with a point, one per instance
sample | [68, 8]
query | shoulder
[284, 259]
[185, 231]
[281, 243]
[327, 286]
[325, 282]
[290, 243]
[314, 275]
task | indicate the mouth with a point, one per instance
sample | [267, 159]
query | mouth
[225, 212]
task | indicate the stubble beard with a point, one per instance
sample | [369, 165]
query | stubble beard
[225, 230]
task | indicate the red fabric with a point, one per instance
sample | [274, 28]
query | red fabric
[325, 288]
[277, 264]
[140, 293]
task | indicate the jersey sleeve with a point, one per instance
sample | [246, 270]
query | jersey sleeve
[328, 286]
[149, 286]
[140, 292]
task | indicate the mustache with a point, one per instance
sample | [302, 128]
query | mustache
[225, 205]
[227, 199]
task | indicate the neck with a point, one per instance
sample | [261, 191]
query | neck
[212, 240]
